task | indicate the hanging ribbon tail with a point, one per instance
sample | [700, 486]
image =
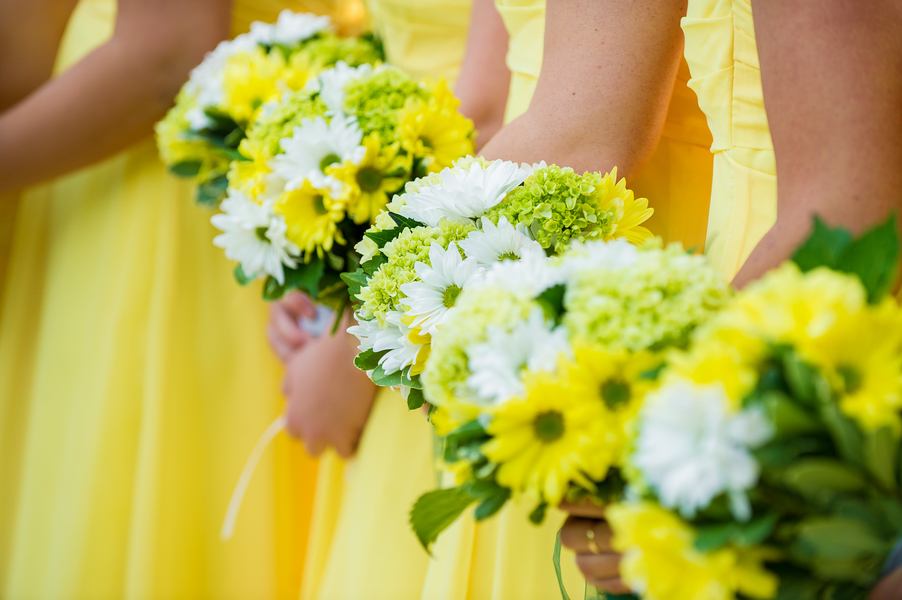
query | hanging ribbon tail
[228, 524]
[557, 567]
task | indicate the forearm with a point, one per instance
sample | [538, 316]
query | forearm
[890, 588]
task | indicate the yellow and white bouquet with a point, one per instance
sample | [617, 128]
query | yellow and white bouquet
[318, 166]
[200, 135]
[536, 375]
[449, 229]
[766, 463]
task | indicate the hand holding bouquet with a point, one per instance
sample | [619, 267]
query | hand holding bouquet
[200, 136]
[320, 164]
[441, 236]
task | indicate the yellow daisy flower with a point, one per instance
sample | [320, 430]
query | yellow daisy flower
[312, 217]
[434, 131]
[541, 441]
[613, 383]
[661, 563]
[249, 176]
[629, 212]
[249, 80]
[368, 185]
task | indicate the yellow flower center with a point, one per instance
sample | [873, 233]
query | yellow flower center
[369, 179]
[319, 206]
[426, 143]
[851, 377]
[549, 426]
[508, 256]
[329, 159]
[450, 296]
[615, 392]
[261, 234]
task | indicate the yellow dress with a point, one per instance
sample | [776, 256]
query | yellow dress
[135, 379]
[723, 59]
[361, 545]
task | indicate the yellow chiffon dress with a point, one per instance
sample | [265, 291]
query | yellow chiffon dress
[135, 379]
[723, 59]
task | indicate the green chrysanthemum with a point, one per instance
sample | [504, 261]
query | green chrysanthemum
[376, 101]
[383, 294]
[656, 301]
[327, 50]
[280, 123]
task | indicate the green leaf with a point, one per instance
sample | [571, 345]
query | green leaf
[209, 193]
[711, 537]
[467, 432]
[415, 399]
[803, 380]
[383, 379]
[234, 137]
[435, 511]
[832, 538]
[874, 257]
[403, 221]
[187, 168]
[822, 248]
[355, 281]
[411, 382]
[538, 514]
[552, 302]
[845, 434]
[336, 263]
[383, 237]
[368, 359]
[788, 417]
[881, 450]
[240, 276]
[819, 477]
[757, 530]
[492, 504]
[372, 265]
[305, 277]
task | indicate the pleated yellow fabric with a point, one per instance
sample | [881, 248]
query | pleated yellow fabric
[723, 59]
[134, 381]
[361, 545]
[677, 179]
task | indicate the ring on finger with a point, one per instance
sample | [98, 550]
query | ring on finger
[590, 540]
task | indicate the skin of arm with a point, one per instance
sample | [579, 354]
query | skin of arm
[607, 76]
[831, 71]
[112, 98]
[890, 588]
[30, 33]
[484, 78]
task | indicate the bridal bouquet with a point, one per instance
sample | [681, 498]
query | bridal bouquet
[200, 136]
[538, 372]
[766, 463]
[439, 238]
[320, 164]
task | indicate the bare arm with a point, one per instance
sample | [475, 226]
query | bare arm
[832, 77]
[484, 78]
[607, 77]
[30, 33]
[112, 98]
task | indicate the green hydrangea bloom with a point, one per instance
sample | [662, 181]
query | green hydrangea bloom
[654, 303]
[174, 146]
[558, 206]
[376, 101]
[445, 377]
[383, 293]
[280, 123]
[327, 50]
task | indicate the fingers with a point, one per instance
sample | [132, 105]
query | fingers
[599, 567]
[611, 586]
[285, 326]
[299, 305]
[574, 535]
[586, 508]
[280, 347]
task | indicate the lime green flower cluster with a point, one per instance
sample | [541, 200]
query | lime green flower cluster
[325, 51]
[654, 303]
[280, 123]
[383, 292]
[447, 369]
[175, 147]
[376, 101]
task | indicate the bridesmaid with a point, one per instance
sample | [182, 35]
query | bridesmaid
[822, 110]
[134, 377]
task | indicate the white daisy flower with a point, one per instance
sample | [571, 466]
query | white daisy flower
[314, 145]
[691, 447]
[365, 332]
[395, 338]
[532, 168]
[254, 236]
[205, 83]
[500, 242]
[290, 29]
[527, 277]
[463, 194]
[440, 283]
[584, 256]
[331, 83]
[498, 364]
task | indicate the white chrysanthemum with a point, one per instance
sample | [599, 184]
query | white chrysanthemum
[500, 242]
[395, 338]
[331, 83]
[205, 83]
[462, 195]
[691, 447]
[254, 235]
[290, 29]
[365, 332]
[583, 256]
[429, 299]
[498, 364]
[527, 277]
[314, 145]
